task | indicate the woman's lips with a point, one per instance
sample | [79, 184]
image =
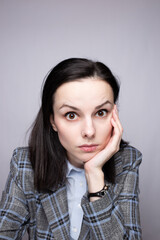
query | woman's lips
[88, 148]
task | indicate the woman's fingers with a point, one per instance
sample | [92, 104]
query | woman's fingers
[116, 118]
[112, 146]
[116, 137]
[117, 131]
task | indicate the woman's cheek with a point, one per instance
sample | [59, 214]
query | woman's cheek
[62, 135]
[108, 134]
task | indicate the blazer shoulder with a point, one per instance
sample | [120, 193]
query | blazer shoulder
[130, 156]
[127, 159]
[21, 155]
[21, 169]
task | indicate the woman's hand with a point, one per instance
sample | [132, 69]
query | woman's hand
[93, 168]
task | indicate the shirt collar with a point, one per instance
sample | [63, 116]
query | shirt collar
[71, 168]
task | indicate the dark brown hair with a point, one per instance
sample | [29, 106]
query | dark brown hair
[47, 155]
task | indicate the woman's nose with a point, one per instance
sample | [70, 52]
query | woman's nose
[88, 129]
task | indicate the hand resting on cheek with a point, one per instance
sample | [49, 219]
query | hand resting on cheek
[93, 168]
[112, 146]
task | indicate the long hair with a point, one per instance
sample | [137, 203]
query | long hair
[47, 155]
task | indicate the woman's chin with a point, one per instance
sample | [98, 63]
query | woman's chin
[90, 156]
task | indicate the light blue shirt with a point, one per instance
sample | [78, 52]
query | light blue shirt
[76, 188]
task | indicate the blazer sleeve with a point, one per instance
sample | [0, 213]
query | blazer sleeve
[116, 215]
[14, 214]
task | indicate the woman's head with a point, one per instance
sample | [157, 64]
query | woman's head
[82, 118]
[71, 70]
[91, 90]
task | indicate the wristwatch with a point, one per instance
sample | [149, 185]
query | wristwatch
[100, 193]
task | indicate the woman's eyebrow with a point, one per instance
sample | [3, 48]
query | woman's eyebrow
[69, 106]
[101, 105]
[77, 109]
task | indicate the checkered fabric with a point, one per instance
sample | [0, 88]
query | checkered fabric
[45, 215]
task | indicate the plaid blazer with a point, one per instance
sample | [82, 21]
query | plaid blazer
[45, 215]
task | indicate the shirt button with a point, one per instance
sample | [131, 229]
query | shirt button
[81, 184]
[74, 229]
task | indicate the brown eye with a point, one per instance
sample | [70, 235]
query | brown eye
[101, 113]
[71, 116]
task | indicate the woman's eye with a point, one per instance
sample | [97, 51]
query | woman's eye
[71, 116]
[101, 113]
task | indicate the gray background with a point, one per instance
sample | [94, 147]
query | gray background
[37, 34]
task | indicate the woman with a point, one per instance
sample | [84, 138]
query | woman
[77, 179]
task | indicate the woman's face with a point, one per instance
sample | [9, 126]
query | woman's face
[82, 118]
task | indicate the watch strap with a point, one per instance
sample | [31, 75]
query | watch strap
[100, 193]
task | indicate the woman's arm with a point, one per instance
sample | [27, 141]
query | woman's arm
[116, 215]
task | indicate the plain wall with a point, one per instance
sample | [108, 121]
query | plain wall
[124, 34]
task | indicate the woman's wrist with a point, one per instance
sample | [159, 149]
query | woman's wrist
[95, 180]
[100, 193]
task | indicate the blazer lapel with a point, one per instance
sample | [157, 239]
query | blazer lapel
[56, 210]
[85, 232]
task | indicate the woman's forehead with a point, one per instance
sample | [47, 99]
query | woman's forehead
[83, 91]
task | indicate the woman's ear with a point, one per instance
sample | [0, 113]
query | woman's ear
[53, 123]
